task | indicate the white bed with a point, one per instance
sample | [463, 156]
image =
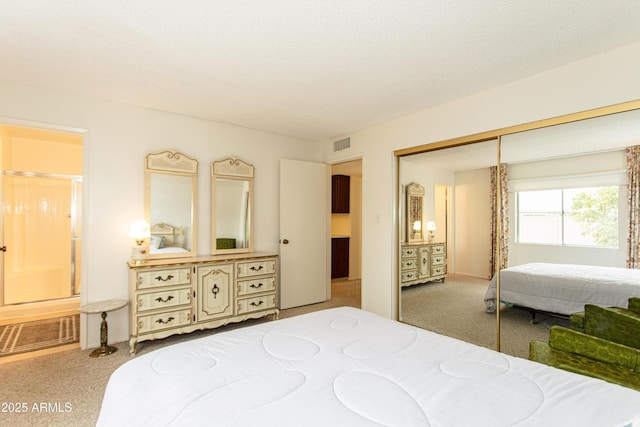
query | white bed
[563, 288]
[166, 239]
[348, 367]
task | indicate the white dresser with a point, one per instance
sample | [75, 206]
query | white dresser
[182, 295]
[422, 262]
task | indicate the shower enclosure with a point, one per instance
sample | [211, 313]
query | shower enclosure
[41, 239]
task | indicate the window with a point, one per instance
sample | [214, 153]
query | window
[575, 216]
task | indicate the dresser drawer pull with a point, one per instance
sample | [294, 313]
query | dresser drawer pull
[215, 291]
[162, 322]
[160, 279]
[167, 299]
[256, 304]
[254, 286]
[252, 268]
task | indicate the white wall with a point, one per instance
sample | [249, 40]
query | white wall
[597, 81]
[117, 137]
[472, 222]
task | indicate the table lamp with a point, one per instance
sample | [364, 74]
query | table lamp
[140, 232]
[431, 228]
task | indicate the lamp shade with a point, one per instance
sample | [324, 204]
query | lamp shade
[417, 226]
[431, 226]
[140, 230]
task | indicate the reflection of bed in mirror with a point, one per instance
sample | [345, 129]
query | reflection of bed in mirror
[166, 238]
[349, 367]
[563, 288]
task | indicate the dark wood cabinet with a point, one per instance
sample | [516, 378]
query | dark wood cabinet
[340, 193]
[339, 257]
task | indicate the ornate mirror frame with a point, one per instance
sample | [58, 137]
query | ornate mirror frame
[171, 180]
[231, 206]
[414, 209]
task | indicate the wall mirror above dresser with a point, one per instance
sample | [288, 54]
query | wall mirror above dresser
[171, 180]
[231, 206]
[414, 206]
[181, 295]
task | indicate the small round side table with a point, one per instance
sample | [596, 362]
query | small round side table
[103, 307]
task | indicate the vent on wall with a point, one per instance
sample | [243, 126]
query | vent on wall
[342, 144]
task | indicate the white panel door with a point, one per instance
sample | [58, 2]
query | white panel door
[304, 190]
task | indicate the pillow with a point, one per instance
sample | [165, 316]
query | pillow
[156, 242]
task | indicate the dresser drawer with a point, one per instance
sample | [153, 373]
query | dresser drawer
[248, 287]
[264, 302]
[165, 320]
[165, 277]
[408, 264]
[438, 260]
[256, 268]
[409, 275]
[439, 270]
[437, 250]
[409, 252]
[163, 299]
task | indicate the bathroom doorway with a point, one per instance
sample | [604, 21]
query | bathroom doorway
[41, 240]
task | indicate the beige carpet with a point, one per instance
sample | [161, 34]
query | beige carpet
[38, 335]
[456, 308]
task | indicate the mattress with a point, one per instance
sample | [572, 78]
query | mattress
[348, 367]
[564, 288]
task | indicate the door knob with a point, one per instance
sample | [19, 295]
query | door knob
[284, 242]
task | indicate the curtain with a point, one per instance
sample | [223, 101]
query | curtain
[503, 228]
[633, 224]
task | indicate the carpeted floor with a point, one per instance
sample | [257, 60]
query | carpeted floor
[456, 308]
[36, 335]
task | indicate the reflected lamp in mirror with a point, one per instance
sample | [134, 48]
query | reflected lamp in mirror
[139, 232]
[417, 229]
[431, 228]
[231, 206]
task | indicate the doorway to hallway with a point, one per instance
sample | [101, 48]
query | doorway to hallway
[346, 222]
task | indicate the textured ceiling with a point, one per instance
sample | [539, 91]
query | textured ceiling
[311, 69]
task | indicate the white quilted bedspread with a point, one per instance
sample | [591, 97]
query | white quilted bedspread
[347, 367]
[564, 288]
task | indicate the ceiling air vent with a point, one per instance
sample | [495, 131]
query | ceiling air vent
[342, 144]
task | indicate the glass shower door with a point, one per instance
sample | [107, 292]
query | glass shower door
[39, 219]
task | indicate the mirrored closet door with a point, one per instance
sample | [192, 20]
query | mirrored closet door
[445, 240]
[572, 161]
[567, 192]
